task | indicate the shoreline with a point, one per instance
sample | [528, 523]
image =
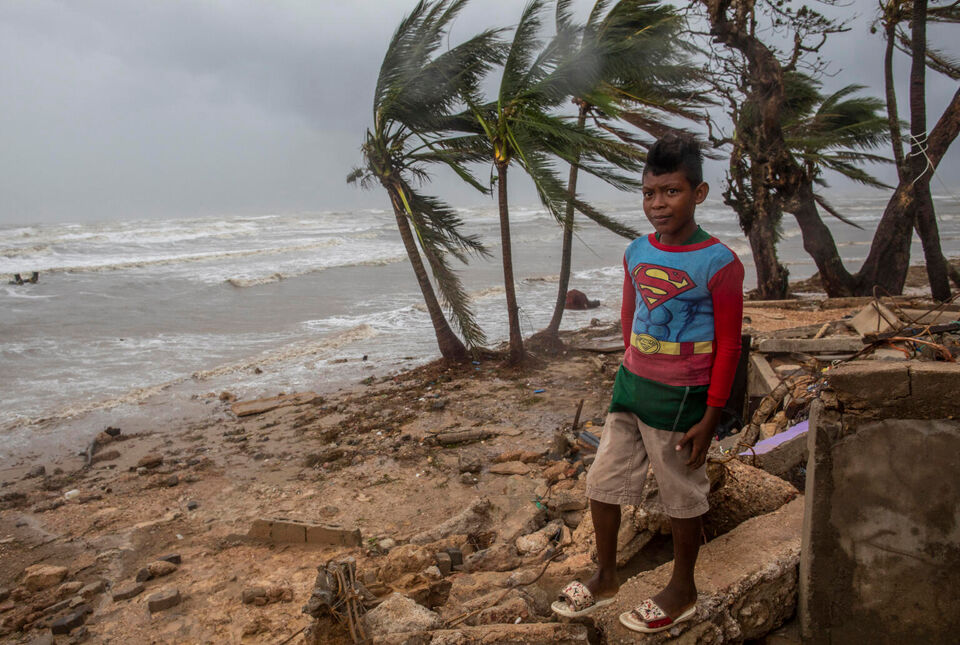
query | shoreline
[362, 457]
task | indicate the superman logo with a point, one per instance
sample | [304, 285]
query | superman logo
[659, 284]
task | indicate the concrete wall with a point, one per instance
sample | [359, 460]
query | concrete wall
[881, 539]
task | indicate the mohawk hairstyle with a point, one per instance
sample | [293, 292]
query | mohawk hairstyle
[674, 152]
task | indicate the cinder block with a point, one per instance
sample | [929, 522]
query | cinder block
[333, 535]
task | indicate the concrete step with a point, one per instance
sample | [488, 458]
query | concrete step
[747, 580]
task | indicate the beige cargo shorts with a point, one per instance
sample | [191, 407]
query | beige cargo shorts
[627, 448]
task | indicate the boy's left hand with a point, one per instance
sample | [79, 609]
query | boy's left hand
[699, 436]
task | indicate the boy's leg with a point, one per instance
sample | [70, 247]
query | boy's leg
[684, 495]
[606, 526]
[616, 477]
[681, 591]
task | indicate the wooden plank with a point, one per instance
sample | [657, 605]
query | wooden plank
[762, 379]
[830, 345]
[602, 345]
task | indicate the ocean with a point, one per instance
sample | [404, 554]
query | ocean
[130, 315]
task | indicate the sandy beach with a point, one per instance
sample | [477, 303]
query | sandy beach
[361, 457]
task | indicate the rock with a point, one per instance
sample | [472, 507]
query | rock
[103, 438]
[4, 593]
[444, 563]
[567, 495]
[192, 505]
[142, 470]
[42, 576]
[468, 463]
[150, 461]
[128, 591]
[299, 533]
[258, 625]
[171, 480]
[259, 406]
[468, 479]
[107, 455]
[409, 558]
[74, 619]
[69, 588]
[573, 518]
[163, 600]
[499, 557]
[160, 568]
[510, 455]
[522, 634]
[89, 591]
[557, 471]
[280, 593]
[473, 519]
[36, 471]
[71, 494]
[511, 611]
[43, 639]
[510, 468]
[251, 594]
[537, 542]
[386, 544]
[456, 556]
[399, 614]
[175, 558]
[113, 432]
[143, 575]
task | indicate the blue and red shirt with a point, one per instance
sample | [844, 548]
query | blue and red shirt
[681, 316]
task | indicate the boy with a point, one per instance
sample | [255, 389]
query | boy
[681, 314]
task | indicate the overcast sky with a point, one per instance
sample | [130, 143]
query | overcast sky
[129, 109]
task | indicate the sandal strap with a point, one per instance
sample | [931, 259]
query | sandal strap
[648, 611]
[577, 596]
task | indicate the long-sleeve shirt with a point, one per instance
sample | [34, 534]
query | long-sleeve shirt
[681, 315]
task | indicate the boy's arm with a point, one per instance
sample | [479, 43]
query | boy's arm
[726, 290]
[627, 305]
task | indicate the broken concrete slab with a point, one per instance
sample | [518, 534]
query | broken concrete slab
[287, 531]
[473, 519]
[522, 634]
[259, 406]
[399, 615]
[761, 378]
[874, 319]
[831, 345]
[910, 389]
[747, 580]
[870, 545]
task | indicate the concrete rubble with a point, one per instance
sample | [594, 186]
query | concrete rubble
[804, 523]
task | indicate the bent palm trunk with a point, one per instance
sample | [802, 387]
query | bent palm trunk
[451, 347]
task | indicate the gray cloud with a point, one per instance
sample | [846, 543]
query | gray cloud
[125, 109]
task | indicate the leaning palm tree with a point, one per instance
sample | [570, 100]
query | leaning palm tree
[838, 133]
[416, 91]
[641, 74]
[520, 127]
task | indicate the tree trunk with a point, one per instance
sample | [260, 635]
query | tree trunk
[926, 220]
[513, 310]
[771, 275]
[818, 242]
[451, 347]
[566, 251]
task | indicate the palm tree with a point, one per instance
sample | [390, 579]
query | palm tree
[642, 75]
[416, 91]
[836, 132]
[520, 127]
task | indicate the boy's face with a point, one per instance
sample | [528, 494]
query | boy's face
[669, 202]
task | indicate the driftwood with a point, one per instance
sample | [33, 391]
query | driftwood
[767, 407]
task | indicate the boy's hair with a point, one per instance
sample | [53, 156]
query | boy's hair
[673, 152]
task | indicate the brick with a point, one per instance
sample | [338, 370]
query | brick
[333, 535]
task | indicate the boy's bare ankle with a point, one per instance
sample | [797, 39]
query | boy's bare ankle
[675, 598]
[603, 584]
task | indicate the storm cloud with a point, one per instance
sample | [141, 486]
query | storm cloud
[119, 109]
